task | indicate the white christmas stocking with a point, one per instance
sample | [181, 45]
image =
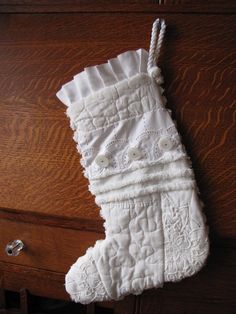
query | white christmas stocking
[141, 176]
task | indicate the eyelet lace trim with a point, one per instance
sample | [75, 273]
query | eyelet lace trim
[186, 243]
[83, 281]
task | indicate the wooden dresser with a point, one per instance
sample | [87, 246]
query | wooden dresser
[44, 200]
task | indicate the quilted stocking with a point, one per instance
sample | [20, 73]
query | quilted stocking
[141, 177]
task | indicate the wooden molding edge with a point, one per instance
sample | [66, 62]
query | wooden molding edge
[105, 7]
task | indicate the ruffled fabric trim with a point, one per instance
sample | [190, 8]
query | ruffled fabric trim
[95, 78]
[138, 190]
[178, 169]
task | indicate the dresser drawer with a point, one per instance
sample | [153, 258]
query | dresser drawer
[46, 247]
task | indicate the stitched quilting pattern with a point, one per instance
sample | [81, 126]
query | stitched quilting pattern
[131, 257]
[120, 101]
[142, 178]
[142, 132]
[186, 243]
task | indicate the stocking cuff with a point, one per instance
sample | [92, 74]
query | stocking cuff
[117, 90]
[95, 78]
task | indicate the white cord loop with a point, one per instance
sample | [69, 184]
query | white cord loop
[155, 48]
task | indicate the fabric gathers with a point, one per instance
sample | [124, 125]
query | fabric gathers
[141, 176]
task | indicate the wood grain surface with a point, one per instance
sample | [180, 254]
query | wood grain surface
[142, 6]
[40, 169]
[41, 184]
[36, 280]
[49, 248]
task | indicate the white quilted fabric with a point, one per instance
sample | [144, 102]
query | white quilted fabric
[155, 228]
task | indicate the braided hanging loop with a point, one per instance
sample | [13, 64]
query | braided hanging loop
[155, 48]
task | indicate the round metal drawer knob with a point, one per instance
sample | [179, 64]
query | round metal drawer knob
[14, 248]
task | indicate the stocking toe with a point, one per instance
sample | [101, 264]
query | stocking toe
[83, 281]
